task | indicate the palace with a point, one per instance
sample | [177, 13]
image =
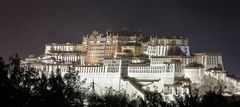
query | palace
[132, 62]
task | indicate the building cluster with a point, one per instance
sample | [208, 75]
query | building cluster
[133, 62]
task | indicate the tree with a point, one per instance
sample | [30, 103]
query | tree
[94, 100]
[41, 93]
[56, 88]
[20, 95]
[111, 98]
[188, 100]
[154, 99]
[74, 92]
[6, 88]
[213, 98]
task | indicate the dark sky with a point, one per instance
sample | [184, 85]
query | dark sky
[211, 25]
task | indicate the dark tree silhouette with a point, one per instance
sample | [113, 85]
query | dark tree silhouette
[6, 89]
[111, 98]
[24, 86]
[213, 98]
[74, 92]
[41, 93]
[95, 100]
[191, 99]
[154, 99]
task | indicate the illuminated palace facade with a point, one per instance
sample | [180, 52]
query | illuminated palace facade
[132, 62]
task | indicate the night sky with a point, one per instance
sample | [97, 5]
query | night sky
[211, 25]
